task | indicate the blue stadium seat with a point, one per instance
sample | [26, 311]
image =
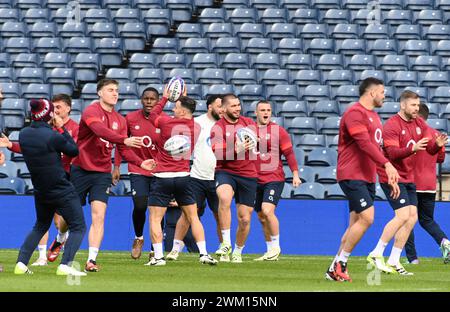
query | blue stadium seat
[375, 31]
[212, 76]
[313, 30]
[165, 45]
[306, 173]
[14, 29]
[34, 15]
[10, 89]
[281, 30]
[402, 78]
[212, 15]
[217, 30]
[274, 77]
[77, 106]
[338, 77]
[169, 60]
[330, 62]
[426, 63]
[6, 74]
[36, 90]
[134, 36]
[250, 92]
[70, 29]
[118, 189]
[8, 169]
[300, 157]
[119, 74]
[12, 186]
[235, 60]
[434, 79]
[187, 74]
[322, 157]
[110, 50]
[204, 60]
[380, 74]
[438, 124]
[407, 32]
[393, 63]
[397, 17]
[293, 109]
[257, 45]
[194, 91]
[309, 141]
[9, 14]
[442, 5]
[287, 191]
[147, 4]
[379, 194]
[314, 93]
[143, 60]
[346, 94]
[86, 65]
[417, 5]
[243, 15]
[345, 31]
[302, 125]
[351, 46]
[263, 4]
[440, 47]
[273, 15]
[42, 29]
[89, 91]
[217, 89]
[47, 45]
[22, 170]
[17, 45]
[293, 4]
[194, 45]
[435, 109]
[334, 191]
[324, 109]
[129, 105]
[226, 45]
[326, 175]
[30, 75]
[250, 30]
[102, 30]
[94, 15]
[127, 15]
[297, 61]
[11, 106]
[388, 109]
[158, 21]
[249, 109]
[333, 142]
[446, 113]
[281, 93]
[421, 91]
[335, 16]
[361, 62]
[189, 30]
[414, 47]
[330, 125]
[319, 46]
[428, 17]
[5, 60]
[382, 47]
[128, 90]
[365, 16]
[287, 46]
[309, 191]
[242, 76]
[441, 95]
[303, 16]
[436, 32]
[77, 45]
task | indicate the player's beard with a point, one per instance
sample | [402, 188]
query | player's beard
[231, 116]
[215, 115]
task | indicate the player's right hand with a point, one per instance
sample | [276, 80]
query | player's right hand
[5, 142]
[391, 173]
[395, 190]
[421, 145]
[2, 158]
[148, 164]
[137, 142]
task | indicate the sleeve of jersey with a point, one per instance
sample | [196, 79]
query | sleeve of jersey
[64, 143]
[392, 145]
[126, 152]
[441, 155]
[287, 150]
[157, 110]
[15, 148]
[360, 134]
[95, 124]
[117, 158]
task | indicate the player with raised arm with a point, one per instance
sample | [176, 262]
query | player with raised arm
[404, 135]
[359, 154]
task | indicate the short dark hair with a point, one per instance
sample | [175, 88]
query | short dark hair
[228, 96]
[424, 111]
[150, 89]
[408, 94]
[211, 98]
[188, 103]
[63, 98]
[104, 82]
[367, 83]
[263, 102]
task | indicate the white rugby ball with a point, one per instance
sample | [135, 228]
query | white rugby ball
[178, 145]
[175, 88]
[247, 133]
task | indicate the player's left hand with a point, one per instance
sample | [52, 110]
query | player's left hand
[173, 203]
[441, 139]
[5, 142]
[395, 190]
[136, 142]
[115, 175]
[2, 158]
[148, 164]
[296, 181]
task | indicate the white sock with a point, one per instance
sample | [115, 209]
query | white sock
[379, 249]
[42, 251]
[226, 236]
[344, 256]
[202, 247]
[444, 240]
[61, 237]
[269, 245]
[238, 249]
[275, 240]
[93, 252]
[158, 248]
[140, 237]
[394, 258]
[177, 245]
[331, 268]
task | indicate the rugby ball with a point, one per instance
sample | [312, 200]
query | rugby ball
[178, 145]
[175, 87]
[247, 133]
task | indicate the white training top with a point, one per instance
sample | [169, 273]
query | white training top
[204, 162]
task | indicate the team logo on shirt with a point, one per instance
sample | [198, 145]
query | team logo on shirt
[157, 130]
[378, 135]
[137, 127]
[418, 131]
[115, 126]
[403, 132]
[370, 118]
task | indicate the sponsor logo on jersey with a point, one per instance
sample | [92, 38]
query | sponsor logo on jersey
[418, 131]
[137, 127]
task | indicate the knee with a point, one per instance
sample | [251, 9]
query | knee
[244, 220]
[262, 218]
[98, 218]
[366, 220]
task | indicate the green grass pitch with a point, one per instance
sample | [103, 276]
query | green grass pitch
[291, 273]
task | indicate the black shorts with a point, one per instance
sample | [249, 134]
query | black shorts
[96, 184]
[163, 190]
[140, 185]
[244, 188]
[205, 190]
[268, 193]
[360, 194]
[408, 195]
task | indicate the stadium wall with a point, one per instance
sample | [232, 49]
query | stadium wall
[309, 227]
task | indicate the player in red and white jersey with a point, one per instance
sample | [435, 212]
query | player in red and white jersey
[236, 175]
[404, 135]
[171, 176]
[101, 127]
[359, 152]
[140, 125]
[274, 141]
[425, 179]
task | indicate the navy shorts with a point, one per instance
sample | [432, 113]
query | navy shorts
[140, 185]
[96, 184]
[360, 194]
[408, 195]
[268, 193]
[164, 190]
[205, 190]
[244, 188]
